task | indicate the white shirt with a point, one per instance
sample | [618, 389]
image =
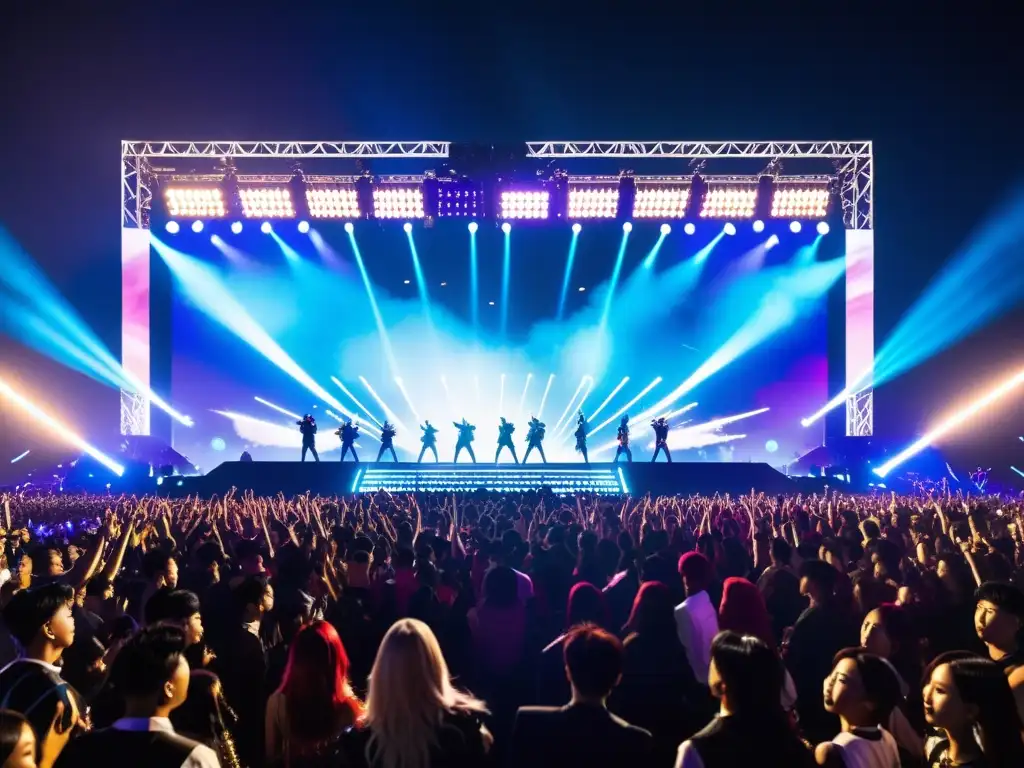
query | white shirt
[697, 625]
[200, 757]
[868, 748]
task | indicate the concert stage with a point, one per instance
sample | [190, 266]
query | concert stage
[336, 478]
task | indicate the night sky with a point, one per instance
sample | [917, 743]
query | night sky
[939, 93]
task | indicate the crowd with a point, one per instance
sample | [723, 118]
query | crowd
[437, 631]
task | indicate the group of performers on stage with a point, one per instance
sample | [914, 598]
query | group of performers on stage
[349, 433]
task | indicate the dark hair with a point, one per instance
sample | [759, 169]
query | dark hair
[653, 611]
[97, 585]
[695, 569]
[30, 609]
[880, 681]
[11, 725]
[501, 587]
[1006, 597]
[751, 671]
[781, 550]
[155, 561]
[148, 660]
[821, 573]
[593, 657]
[586, 605]
[251, 590]
[171, 605]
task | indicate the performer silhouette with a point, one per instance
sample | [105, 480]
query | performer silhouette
[505, 430]
[535, 439]
[307, 426]
[349, 433]
[387, 436]
[465, 438]
[581, 436]
[429, 441]
[661, 439]
[623, 437]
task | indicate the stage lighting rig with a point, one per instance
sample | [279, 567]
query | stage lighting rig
[397, 201]
[800, 201]
[661, 200]
[195, 202]
[728, 200]
[593, 200]
[332, 201]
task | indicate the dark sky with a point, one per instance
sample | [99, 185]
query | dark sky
[938, 91]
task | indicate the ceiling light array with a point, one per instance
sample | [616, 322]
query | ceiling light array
[593, 202]
[266, 202]
[191, 202]
[660, 202]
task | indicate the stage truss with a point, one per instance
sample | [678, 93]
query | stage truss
[852, 161]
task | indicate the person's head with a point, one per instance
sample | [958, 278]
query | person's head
[255, 597]
[863, 689]
[40, 619]
[151, 671]
[180, 608]
[870, 530]
[25, 571]
[745, 675]
[781, 552]
[586, 605]
[47, 562]
[409, 688]
[744, 612]
[999, 614]
[316, 686]
[17, 741]
[695, 570]
[593, 661]
[817, 580]
[970, 697]
[501, 587]
[160, 568]
[887, 632]
[652, 611]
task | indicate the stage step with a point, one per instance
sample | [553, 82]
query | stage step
[404, 479]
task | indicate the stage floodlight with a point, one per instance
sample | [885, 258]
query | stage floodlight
[665, 229]
[459, 198]
[407, 228]
[236, 227]
[823, 228]
[506, 227]
[729, 228]
[172, 227]
[590, 201]
[197, 226]
[391, 201]
[525, 204]
[759, 226]
[729, 202]
[266, 202]
[800, 202]
[689, 228]
[627, 226]
[659, 201]
[349, 227]
[338, 202]
[473, 226]
[303, 227]
[195, 203]
[577, 228]
[795, 227]
[265, 228]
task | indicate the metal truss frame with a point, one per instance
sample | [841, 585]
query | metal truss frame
[860, 414]
[134, 413]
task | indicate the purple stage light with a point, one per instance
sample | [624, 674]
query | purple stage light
[525, 203]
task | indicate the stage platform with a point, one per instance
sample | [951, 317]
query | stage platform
[337, 478]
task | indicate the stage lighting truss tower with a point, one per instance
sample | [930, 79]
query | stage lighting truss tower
[852, 161]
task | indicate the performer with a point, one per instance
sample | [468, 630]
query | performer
[465, 438]
[505, 430]
[387, 436]
[980, 478]
[429, 441]
[581, 436]
[307, 426]
[535, 439]
[349, 433]
[623, 437]
[661, 439]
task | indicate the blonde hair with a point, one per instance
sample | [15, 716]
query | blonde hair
[410, 690]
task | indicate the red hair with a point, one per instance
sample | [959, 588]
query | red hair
[319, 700]
[743, 611]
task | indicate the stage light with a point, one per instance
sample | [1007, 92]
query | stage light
[349, 227]
[407, 228]
[523, 204]
[197, 227]
[660, 202]
[627, 226]
[592, 202]
[771, 446]
[194, 203]
[303, 227]
[689, 228]
[771, 242]
[490, 303]
[458, 198]
[406, 282]
[20, 456]
[665, 229]
[173, 227]
[577, 228]
[473, 227]
[218, 444]
[823, 228]
[506, 227]
[800, 202]
[236, 227]
[759, 226]
[395, 202]
[265, 228]
[795, 227]
[729, 228]
[340, 202]
[729, 202]
[266, 202]
[581, 289]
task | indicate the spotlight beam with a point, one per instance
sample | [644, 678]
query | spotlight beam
[501, 396]
[277, 408]
[354, 399]
[506, 279]
[20, 456]
[626, 407]
[421, 281]
[522, 397]
[612, 394]
[383, 406]
[474, 283]
[61, 429]
[367, 429]
[385, 339]
[568, 274]
[568, 406]
[614, 282]
[544, 397]
[408, 400]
